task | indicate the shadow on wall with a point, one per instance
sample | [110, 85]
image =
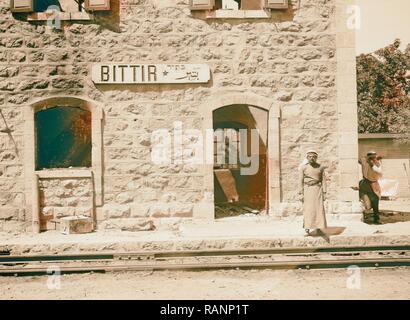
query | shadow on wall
[106, 19]
[110, 19]
[6, 129]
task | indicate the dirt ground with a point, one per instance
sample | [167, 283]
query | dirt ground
[388, 216]
[391, 283]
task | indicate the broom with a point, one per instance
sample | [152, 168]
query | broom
[407, 174]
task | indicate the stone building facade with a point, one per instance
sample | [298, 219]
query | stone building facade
[297, 64]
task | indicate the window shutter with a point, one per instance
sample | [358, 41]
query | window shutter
[97, 5]
[202, 4]
[21, 5]
[277, 4]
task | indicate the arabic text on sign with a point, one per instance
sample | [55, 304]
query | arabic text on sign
[150, 73]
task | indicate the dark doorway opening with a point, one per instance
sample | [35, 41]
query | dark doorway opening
[236, 193]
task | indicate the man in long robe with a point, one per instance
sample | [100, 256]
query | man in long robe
[312, 188]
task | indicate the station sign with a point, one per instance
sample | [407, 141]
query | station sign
[120, 73]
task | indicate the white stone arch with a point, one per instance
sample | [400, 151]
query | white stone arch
[206, 209]
[30, 174]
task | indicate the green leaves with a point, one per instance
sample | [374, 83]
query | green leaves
[383, 87]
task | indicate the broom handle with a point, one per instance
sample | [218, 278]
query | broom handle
[407, 174]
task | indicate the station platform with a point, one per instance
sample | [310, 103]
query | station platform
[227, 233]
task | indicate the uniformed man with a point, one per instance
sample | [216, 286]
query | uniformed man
[369, 186]
[312, 189]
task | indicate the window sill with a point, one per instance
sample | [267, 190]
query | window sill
[64, 173]
[62, 16]
[239, 14]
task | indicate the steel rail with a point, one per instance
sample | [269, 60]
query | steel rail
[289, 258]
[197, 253]
[308, 264]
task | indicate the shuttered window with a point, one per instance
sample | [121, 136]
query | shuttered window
[276, 4]
[21, 5]
[97, 5]
[202, 4]
[240, 4]
[67, 6]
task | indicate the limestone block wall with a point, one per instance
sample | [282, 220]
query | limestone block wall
[64, 197]
[290, 59]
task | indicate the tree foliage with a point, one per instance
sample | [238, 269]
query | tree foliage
[383, 86]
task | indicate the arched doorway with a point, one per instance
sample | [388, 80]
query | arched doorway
[240, 142]
[62, 147]
[206, 208]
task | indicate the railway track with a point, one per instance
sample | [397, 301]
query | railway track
[272, 258]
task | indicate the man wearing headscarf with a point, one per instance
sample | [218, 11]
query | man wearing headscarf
[369, 185]
[313, 187]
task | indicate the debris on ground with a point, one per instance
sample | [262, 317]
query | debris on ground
[232, 209]
[143, 226]
[76, 224]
